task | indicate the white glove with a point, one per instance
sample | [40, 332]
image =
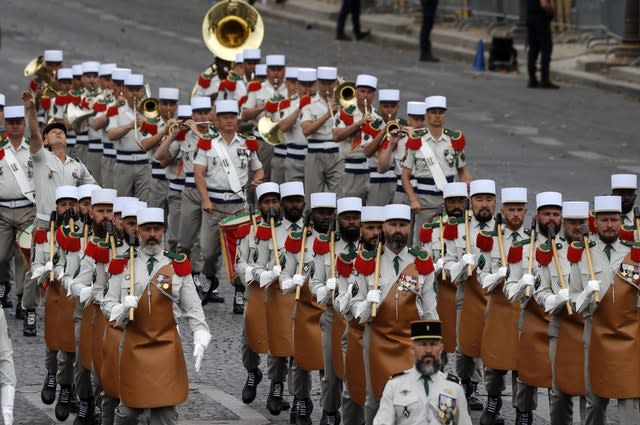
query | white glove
[331, 283]
[502, 273]
[456, 271]
[130, 301]
[439, 264]
[287, 286]
[321, 294]
[248, 274]
[592, 286]
[517, 289]
[490, 282]
[266, 277]
[201, 340]
[298, 279]
[469, 260]
[373, 296]
[42, 270]
[526, 280]
[85, 294]
[116, 313]
[7, 394]
[552, 302]
[60, 275]
[363, 312]
[276, 271]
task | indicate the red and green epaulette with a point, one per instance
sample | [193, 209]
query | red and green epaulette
[346, 115]
[251, 143]
[204, 79]
[321, 244]
[457, 139]
[263, 231]
[372, 128]
[484, 240]
[414, 142]
[149, 126]
[273, 105]
[450, 231]
[365, 262]
[75, 97]
[575, 250]
[293, 243]
[592, 222]
[344, 263]
[304, 101]
[627, 232]
[101, 105]
[180, 263]
[204, 142]
[423, 261]
[544, 254]
[41, 236]
[118, 264]
[45, 102]
[63, 98]
[516, 250]
[254, 86]
[68, 240]
[227, 85]
[98, 249]
[426, 231]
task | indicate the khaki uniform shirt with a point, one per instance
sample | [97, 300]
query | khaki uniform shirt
[9, 188]
[127, 143]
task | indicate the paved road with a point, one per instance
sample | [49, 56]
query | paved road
[569, 140]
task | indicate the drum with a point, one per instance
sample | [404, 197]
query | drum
[24, 240]
[232, 229]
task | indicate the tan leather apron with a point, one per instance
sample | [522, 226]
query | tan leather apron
[354, 363]
[570, 354]
[153, 372]
[58, 319]
[390, 345]
[307, 337]
[279, 313]
[110, 372]
[447, 313]
[86, 335]
[99, 323]
[614, 367]
[338, 328]
[472, 317]
[500, 335]
[534, 364]
[255, 319]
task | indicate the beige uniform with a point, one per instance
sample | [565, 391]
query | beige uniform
[405, 401]
[292, 168]
[94, 149]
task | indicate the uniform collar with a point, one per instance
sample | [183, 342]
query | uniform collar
[23, 145]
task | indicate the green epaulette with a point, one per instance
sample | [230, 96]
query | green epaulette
[630, 244]
[377, 123]
[179, 257]
[403, 122]
[452, 133]
[420, 132]
[350, 109]
[417, 252]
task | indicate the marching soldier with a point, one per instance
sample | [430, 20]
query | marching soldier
[393, 154]
[405, 284]
[357, 125]
[435, 156]
[104, 104]
[610, 316]
[443, 400]
[17, 208]
[251, 58]
[52, 63]
[625, 186]
[50, 262]
[52, 167]
[132, 171]
[293, 133]
[259, 101]
[118, 77]
[162, 291]
[383, 185]
[91, 139]
[323, 166]
[221, 172]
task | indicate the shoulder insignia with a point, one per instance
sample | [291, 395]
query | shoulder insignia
[417, 252]
[204, 144]
[365, 262]
[630, 244]
[252, 143]
[41, 236]
[457, 139]
[423, 261]
[453, 378]
[321, 244]
[293, 243]
[180, 263]
[414, 142]
[117, 265]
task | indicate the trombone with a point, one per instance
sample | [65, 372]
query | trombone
[149, 107]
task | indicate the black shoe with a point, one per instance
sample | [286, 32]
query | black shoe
[203, 288]
[5, 302]
[64, 403]
[85, 413]
[330, 418]
[249, 390]
[343, 37]
[499, 420]
[524, 417]
[303, 411]
[29, 326]
[238, 301]
[533, 84]
[215, 298]
[97, 415]
[473, 401]
[19, 309]
[363, 34]
[274, 400]
[294, 412]
[548, 85]
[48, 393]
[428, 57]
[75, 404]
[491, 411]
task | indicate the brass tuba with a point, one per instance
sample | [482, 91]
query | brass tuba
[149, 108]
[345, 94]
[231, 26]
[35, 68]
[270, 131]
[78, 118]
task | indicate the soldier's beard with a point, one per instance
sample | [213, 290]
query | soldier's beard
[397, 241]
[349, 234]
[153, 249]
[428, 369]
[100, 229]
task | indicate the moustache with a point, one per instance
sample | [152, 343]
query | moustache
[152, 239]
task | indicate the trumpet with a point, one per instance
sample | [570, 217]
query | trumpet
[393, 129]
[345, 94]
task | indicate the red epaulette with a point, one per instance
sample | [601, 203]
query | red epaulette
[254, 86]
[112, 111]
[227, 85]
[414, 144]
[484, 241]
[252, 144]
[1, 154]
[345, 117]
[627, 233]
[321, 244]
[368, 129]
[117, 265]
[515, 254]
[574, 252]
[181, 265]
[204, 144]
[344, 264]
[41, 236]
[293, 243]
[203, 81]
[365, 262]
[544, 256]
[304, 101]
[635, 254]
[592, 222]
[458, 143]
[99, 253]
[99, 106]
[450, 231]
[45, 102]
[263, 232]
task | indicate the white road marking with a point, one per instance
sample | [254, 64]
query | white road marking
[547, 141]
[516, 129]
[630, 168]
[588, 155]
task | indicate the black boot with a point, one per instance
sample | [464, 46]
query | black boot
[491, 411]
[213, 292]
[293, 412]
[249, 390]
[275, 402]
[19, 309]
[48, 393]
[85, 413]
[29, 326]
[426, 55]
[5, 288]
[97, 415]
[64, 403]
[238, 299]
[303, 413]
[473, 401]
[524, 417]
[330, 418]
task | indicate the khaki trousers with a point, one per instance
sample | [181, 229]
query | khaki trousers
[12, 221]
[132, 180]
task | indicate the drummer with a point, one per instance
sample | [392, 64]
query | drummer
[17, 208]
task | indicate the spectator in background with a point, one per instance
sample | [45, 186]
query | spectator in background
[428, 18]
[350, 7]
[539, 16]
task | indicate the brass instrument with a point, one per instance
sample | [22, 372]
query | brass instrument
[270, 131]
[78, 117]
[393, 129]
[345, 94]
[35, 68]
[149, 108]
[231, 26]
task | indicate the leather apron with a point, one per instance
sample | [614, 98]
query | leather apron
[279, 311]
[86, 335]
[472, 317]
[500, 335]
[614, 368]
[110, 372]
[153, 372]
[255, 319]
[534, 363]
[307, 336]
[390, 345]
[447, 313]
[570, 354]
[59, 330]
[338, 329]
[99, 323]
[354, 363]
